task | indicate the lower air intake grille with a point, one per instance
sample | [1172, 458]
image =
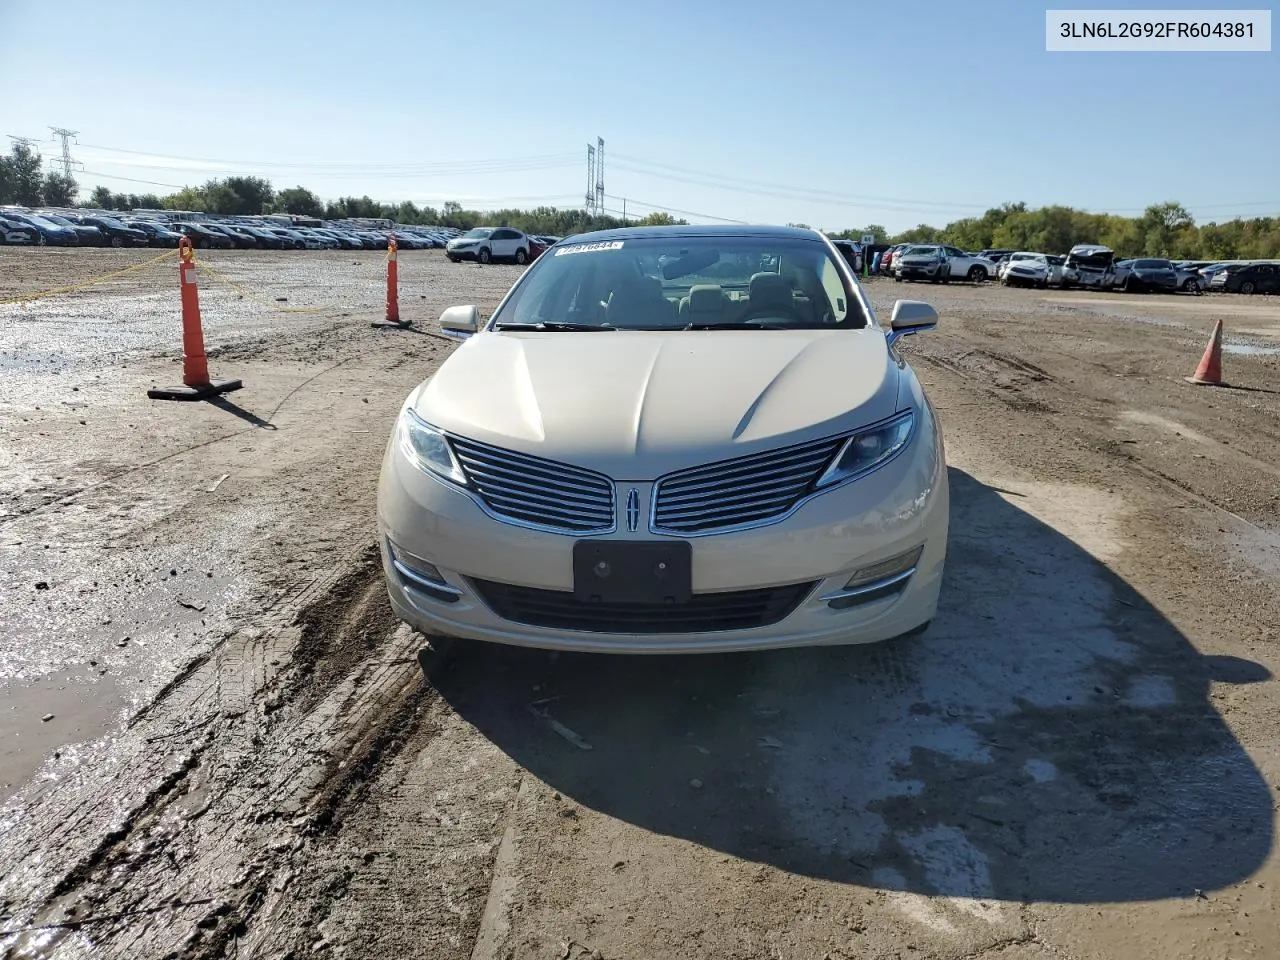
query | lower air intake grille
[705, 612]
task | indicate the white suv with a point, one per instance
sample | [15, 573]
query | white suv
[486, 244]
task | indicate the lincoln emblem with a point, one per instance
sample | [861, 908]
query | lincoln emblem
[633, 509]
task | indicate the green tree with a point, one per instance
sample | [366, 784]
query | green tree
[101, 198]
[60, 190]
[26, 182]
[659, 219]
[921, 233]
[253, 195]
[299, 200]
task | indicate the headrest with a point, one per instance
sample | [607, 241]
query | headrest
[706, 297]
[771, 289]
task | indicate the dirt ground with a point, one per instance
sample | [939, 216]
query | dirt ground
[216, 742]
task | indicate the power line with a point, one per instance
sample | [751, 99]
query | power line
[360, 166]
[705, 178]
[67, 163]
[687, 213]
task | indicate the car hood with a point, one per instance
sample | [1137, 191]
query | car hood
[638, 404]
[463, 241]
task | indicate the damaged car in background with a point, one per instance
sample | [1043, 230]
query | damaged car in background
[1088, 265]
[671, 440]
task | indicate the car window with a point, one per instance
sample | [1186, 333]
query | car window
[649, 281]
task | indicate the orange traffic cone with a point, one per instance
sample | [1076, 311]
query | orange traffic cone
[196, 384]
[1209, 373]
[393, 288]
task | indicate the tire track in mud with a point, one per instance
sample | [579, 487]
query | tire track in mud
[1009, 392]
[255, 751]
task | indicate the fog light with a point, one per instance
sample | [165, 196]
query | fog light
[423, 576]
[885, 568]
[877, 581]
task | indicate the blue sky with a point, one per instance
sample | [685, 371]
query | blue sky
[836, 114]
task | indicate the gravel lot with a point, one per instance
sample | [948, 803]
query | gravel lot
[215, 741]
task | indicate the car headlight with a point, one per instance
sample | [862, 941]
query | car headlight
[866, 450]
[428, 449]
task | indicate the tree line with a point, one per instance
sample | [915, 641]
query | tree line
[1163, 229]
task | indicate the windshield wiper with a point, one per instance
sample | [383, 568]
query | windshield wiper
[553, 325]
[740, 326]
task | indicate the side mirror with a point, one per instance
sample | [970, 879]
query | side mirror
[460, 322]
[909, 317]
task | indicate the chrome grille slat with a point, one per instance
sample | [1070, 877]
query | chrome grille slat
[532, 491]
[524, 474]
[535, 492]
[761, 488]
[752, 465]
[748, 490]
[781, 475]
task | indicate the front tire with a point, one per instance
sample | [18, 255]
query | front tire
[484, 256]
[117, 242]
[977, 275]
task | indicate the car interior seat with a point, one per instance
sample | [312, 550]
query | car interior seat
[638, 302]
[705, 303]
[771, 291]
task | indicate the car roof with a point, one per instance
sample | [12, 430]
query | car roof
[696, 230]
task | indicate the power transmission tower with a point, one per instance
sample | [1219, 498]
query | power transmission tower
[27, 142]
[67, 163]
[599, 176]
[588, 207]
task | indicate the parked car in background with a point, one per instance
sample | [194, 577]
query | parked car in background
[238, 240]
[1056, 262]
[89, 236]
[940, 263]
[48, 232]
[158, 234]
[201, 236]
[537, 247]
[1148, 274]
[852, 252]
[1248, 278]
[921, 262]
[1025, 269]
[485, 244]
[1088, 265]
[890, 255]
[15, 233]
[1189, 279]
[118, 234]
[267, 239]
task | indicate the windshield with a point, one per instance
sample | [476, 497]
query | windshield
[39, 221]
[479, 233]
[920, 252]
[1153, 265]
[673, 282]
[111, 222]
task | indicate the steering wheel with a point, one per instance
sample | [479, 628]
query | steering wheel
[771, 313]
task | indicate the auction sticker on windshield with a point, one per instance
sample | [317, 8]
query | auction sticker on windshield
[590, 247]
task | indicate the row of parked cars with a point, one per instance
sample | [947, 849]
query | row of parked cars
[77, 227]
[1087, 266]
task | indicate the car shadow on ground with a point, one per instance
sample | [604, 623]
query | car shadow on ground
[1050, 738]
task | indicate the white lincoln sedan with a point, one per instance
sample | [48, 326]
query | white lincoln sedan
[671, 439]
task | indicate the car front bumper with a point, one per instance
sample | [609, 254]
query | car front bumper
[815, 552]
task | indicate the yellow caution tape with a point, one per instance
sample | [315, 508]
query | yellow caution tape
[71, 288]
[205, 268]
